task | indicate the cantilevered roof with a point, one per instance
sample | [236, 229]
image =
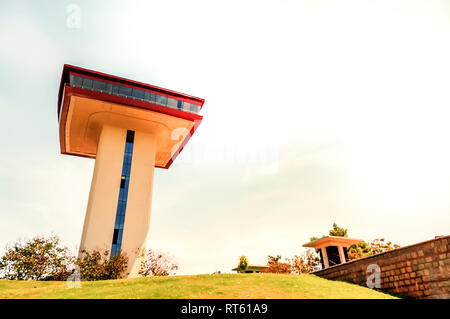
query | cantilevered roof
[88, 100]
[332, 241]
[67, 69]
[252, 267]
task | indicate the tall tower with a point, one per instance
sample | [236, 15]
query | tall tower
[129, 128]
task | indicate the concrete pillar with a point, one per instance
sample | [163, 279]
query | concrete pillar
[103, 197]
[104, 194]
[341, 254]
[325, 257]
[137, 215]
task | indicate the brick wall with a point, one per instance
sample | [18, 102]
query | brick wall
[420, 271]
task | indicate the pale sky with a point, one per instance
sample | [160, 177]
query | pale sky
[315, 112]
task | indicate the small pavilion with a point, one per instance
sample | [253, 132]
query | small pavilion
[332, 249]
[251, 269]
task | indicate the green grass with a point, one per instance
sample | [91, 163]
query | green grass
[191, 287]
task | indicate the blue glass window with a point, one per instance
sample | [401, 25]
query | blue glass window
[115, 89]
[149, 96]
[87, 83]
[98, 85]
[138, 94]
[76, 80]
[124, 90]
[108, 88]
[195, 108]
[123, 195]
[128, 92]
[186, 106]
[161, 100]
[172, 103]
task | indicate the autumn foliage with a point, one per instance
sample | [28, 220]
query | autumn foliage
[243, 263]
[299, 264]
[43, 258]
[305, 263]
[364, 249]
[37, 259]
[97, 265]
[157, 264]
[277, 267]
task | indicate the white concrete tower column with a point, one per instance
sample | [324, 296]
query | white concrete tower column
[103, 197]
[101, 212]
[140, 189]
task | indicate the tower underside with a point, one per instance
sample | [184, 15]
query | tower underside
[85, 118]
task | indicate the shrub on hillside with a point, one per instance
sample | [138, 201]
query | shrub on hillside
[277, 267]
[335, 231]
[243, 263]
[97, 265]
[338, 231]
[305, 263]
[157, 264]
[41, 258]
[364, 249]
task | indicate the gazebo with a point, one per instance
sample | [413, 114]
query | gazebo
[251, 269]
[332, 249]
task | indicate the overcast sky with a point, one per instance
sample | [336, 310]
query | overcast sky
[315, 112]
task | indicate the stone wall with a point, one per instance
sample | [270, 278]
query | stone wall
[420, 271]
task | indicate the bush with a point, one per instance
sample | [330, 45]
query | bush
[157, 264]
[97, 265]
[277, 267]
[40, 258]
[335, 231]
[338, 231]
[364, 249]
[243, 263]
[304, 264]
[43, 258]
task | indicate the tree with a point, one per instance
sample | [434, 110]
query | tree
[98, 265]
[277, 267]
[338, 231]
[157, 264]
[243, 263]
[335, 231]
[305, 263]
[364, 249]
[273, 259]
[41, 258]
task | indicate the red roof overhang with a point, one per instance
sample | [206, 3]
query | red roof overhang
[67, 69]
[65, 92]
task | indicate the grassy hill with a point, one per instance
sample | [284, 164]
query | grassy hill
[192, 287]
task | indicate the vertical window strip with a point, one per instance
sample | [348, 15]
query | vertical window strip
[123, 195]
